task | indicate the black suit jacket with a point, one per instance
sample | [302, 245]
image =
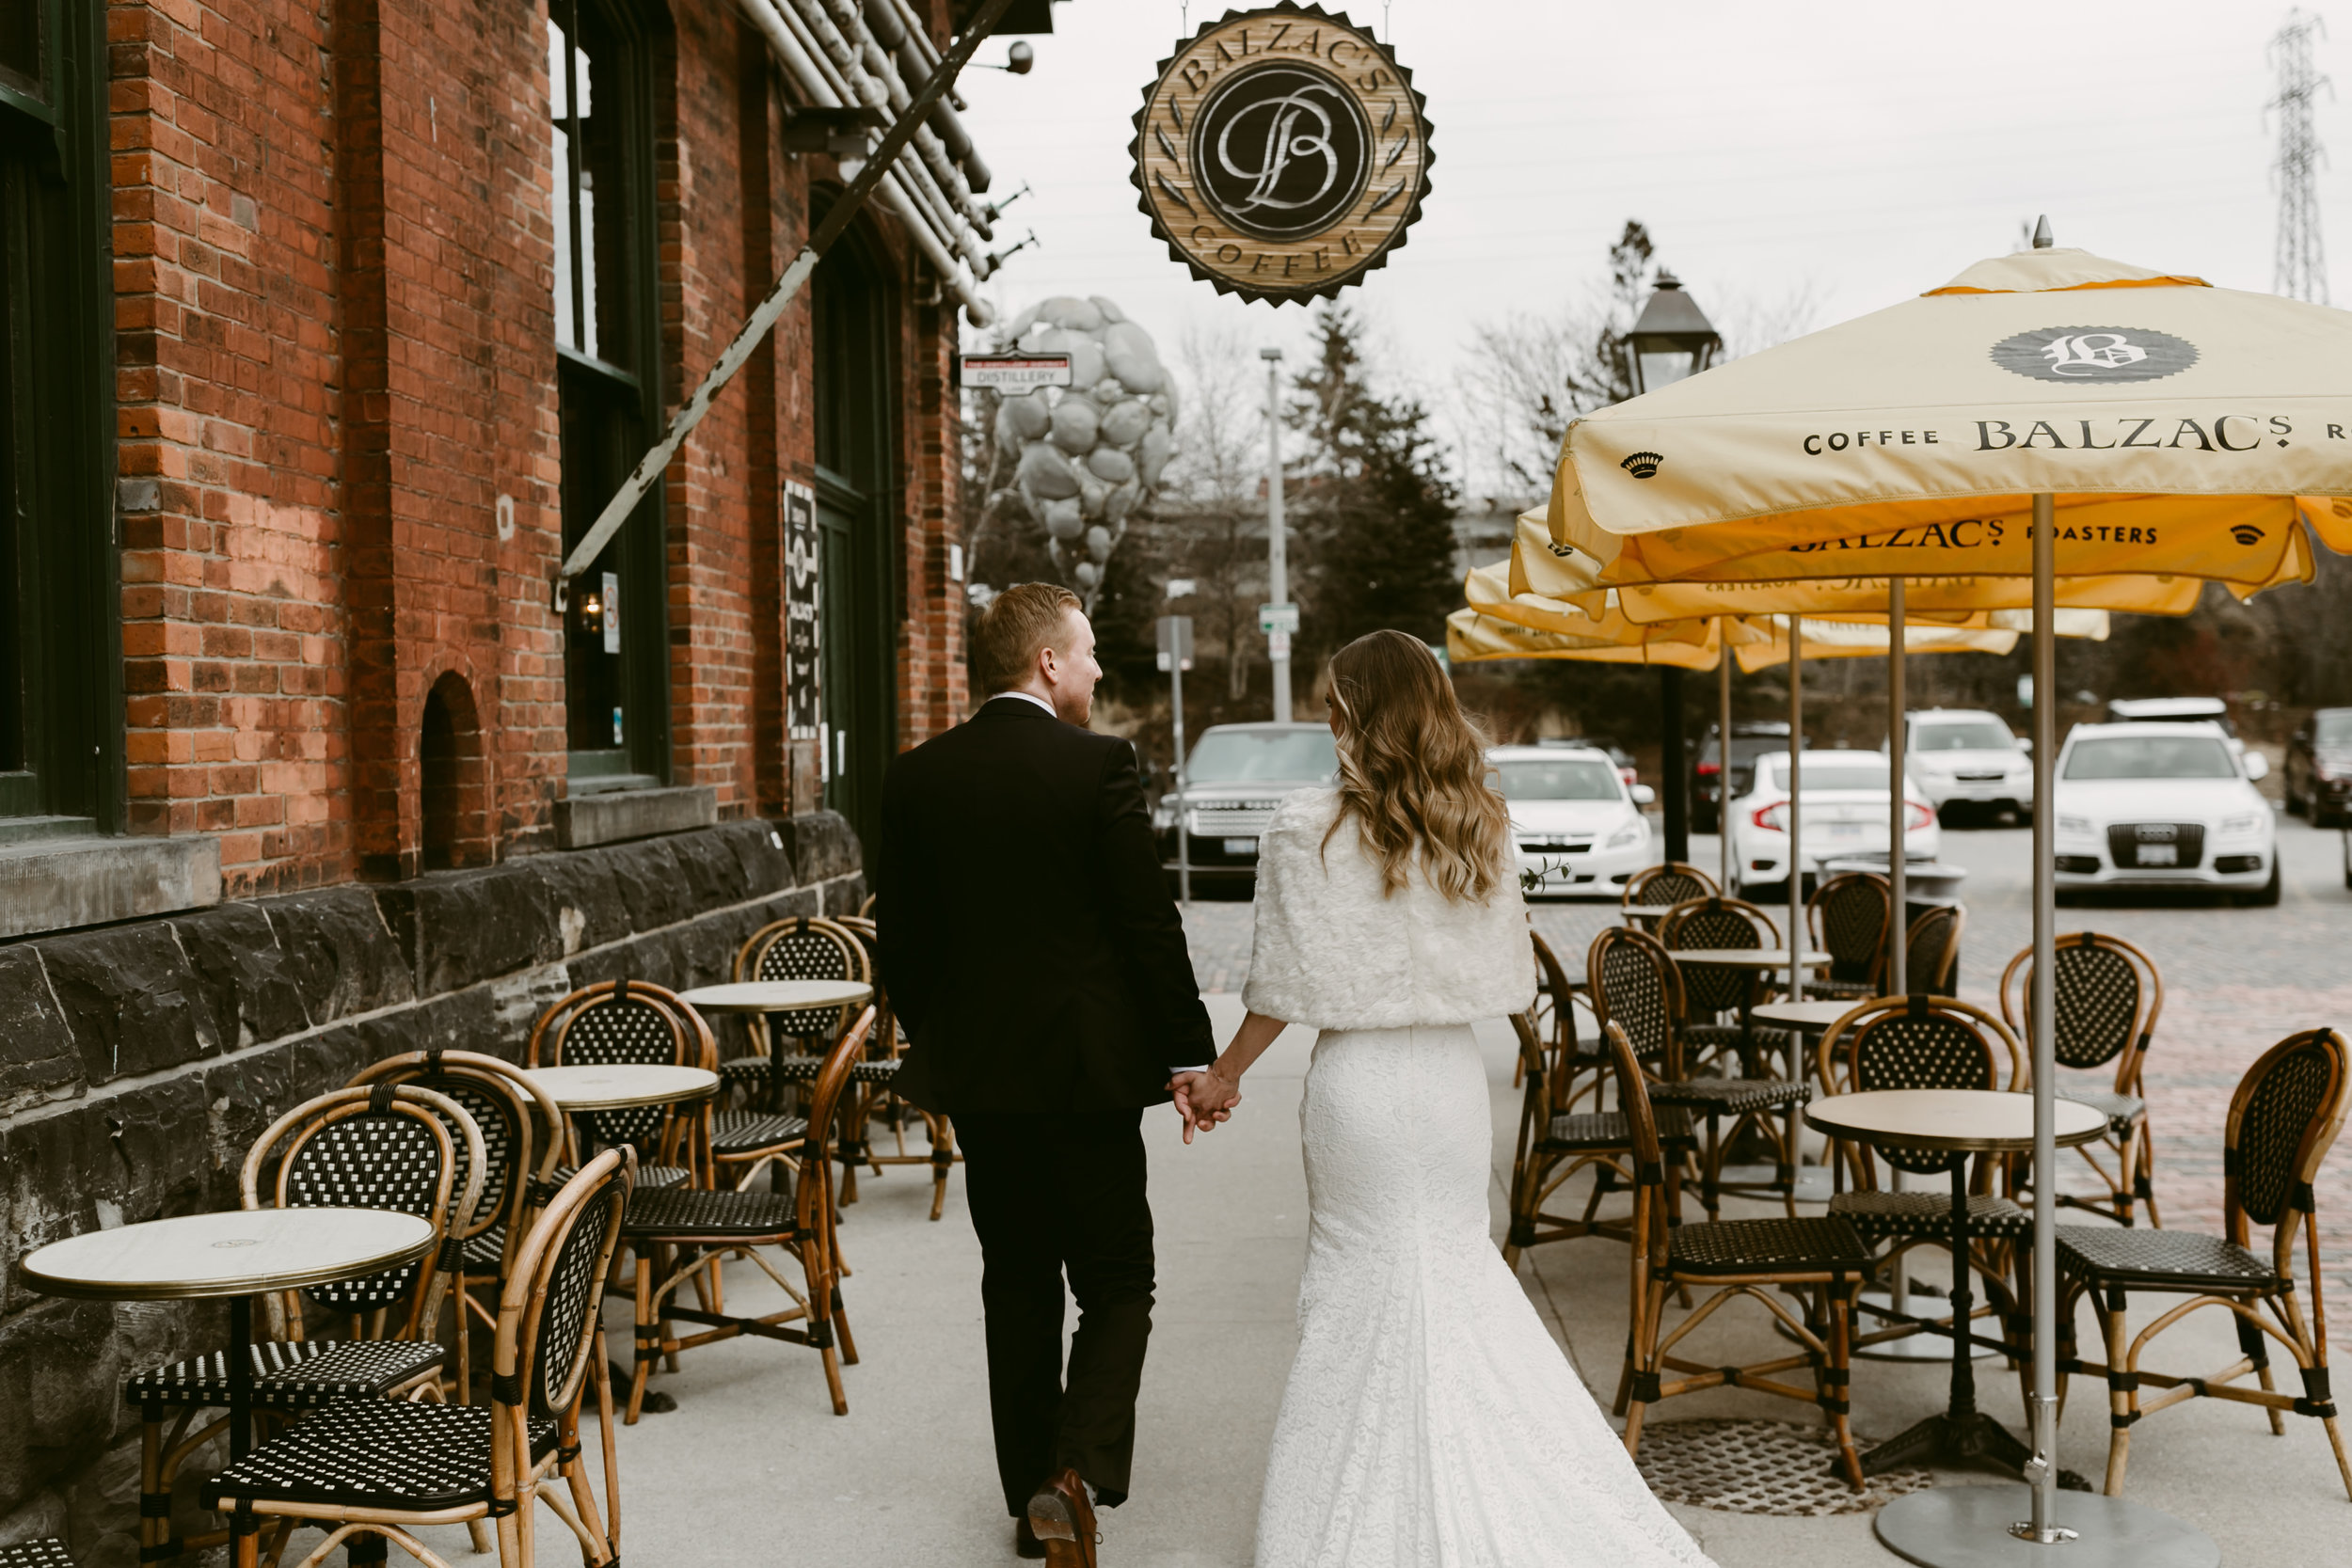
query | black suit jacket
[1028, 942]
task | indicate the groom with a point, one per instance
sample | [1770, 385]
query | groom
[1039, 967]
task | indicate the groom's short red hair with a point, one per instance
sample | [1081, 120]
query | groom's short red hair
[1023, 620]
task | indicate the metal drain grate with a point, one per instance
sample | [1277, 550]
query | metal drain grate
[1761, 1467]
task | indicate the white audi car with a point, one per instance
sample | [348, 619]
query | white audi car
[1577, 824]
[2151, 804]
[1964, 758]
[1843, 811]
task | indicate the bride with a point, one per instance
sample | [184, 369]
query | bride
[1430, 1421]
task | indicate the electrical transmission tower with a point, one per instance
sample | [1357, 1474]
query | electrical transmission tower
[2300, 269]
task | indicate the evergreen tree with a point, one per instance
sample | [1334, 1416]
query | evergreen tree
[1375, 513]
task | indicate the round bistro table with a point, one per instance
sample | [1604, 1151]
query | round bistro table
[1806, 1017]
[765, 998]
[1748, 958]
[1954, 1123]
[234, 1254]
[622, 1086]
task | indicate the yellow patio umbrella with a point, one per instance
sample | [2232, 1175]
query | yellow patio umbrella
[2051, 415]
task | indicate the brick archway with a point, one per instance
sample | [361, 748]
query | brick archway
[453, 779]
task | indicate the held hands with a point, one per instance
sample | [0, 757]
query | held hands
[1203, 1099]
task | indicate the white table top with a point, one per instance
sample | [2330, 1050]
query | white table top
[1747, 957]
[775, 996]
[620, 1085]
[1802, 1015]
[1953, 1120]
[230, 1253]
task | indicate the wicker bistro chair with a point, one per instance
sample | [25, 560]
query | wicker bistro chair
[1554, 1144]
[1819, 1262]
[680, 1233]
[2283, 1118]
[2108, 998]
[805, 947]
[1575, 1068]
[881, 1103]
[1849, 916]
[522, 1131]
[1638, 986]
[1931, 954]
[1923, 1043]
[385, 1147]
[1650, 893]
[1709, 991]
[628, 1022]
[373, 1472]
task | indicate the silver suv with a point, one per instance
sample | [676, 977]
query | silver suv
[1236, 777]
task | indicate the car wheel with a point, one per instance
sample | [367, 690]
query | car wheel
[2301, 805]
[2267, 896]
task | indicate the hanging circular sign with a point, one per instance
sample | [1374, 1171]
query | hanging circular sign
[1282, 153]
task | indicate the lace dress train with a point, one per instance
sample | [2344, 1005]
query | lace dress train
[1430, 1421]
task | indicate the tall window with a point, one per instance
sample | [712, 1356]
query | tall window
[60, 674]
[607, 355]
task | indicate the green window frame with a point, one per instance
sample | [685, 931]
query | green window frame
[60, 632]
[607, 355]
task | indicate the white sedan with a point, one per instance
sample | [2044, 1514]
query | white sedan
[1578, 825]
[2161, 805]
[1842, 812]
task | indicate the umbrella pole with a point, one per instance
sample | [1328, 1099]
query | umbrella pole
[1796, 834]
[2042, 1470]
[1897, 841]
[1723, 753]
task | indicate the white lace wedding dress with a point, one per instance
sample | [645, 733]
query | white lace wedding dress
[1430, 1421]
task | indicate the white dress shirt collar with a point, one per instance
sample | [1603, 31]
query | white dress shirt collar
[1026, 697]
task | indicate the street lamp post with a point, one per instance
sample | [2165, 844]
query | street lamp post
[1672, 339]
[1278, 575]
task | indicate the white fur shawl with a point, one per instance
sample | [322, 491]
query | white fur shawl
[1332, 952]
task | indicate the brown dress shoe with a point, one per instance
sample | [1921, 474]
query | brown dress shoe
[1024, 1541]
[1063, 1519]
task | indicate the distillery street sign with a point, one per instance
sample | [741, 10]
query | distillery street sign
[1282, 153]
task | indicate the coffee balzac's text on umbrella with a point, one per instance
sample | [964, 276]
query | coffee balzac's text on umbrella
[2223, 433]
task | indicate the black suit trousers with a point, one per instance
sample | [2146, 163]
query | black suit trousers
[1054, 1194]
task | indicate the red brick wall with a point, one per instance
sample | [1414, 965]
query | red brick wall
[333, 269]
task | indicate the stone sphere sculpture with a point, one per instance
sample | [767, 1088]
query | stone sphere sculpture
[1087, 454]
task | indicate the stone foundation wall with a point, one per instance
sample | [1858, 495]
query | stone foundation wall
[139, 1061]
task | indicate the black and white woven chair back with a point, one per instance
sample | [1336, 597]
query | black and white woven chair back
[621, 1028]
[2098, 1001]
[569, 1275]
[384, 1156]
[1918, 1048]
[2285, 1112]
[1852, 909]
[1712, 923]
[1927, 953]
[1630, 986]
[502, 1141]
[1671, 885]
[808, 949]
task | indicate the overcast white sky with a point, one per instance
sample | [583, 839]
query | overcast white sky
[1866, 150]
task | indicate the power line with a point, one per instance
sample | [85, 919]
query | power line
[2300, 269]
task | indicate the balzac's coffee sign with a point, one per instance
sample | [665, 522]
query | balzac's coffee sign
[1282, 153]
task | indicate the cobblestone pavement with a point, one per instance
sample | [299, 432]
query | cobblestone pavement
[2235, 982]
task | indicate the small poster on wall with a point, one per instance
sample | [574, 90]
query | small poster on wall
[803, 597]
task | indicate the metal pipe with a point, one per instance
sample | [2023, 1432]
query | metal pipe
[2045, 1041]
[1897, 809]
[774, 20]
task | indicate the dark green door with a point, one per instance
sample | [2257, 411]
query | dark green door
[857, 516]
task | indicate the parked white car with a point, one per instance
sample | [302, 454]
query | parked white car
[2149, 804]
[1576, 821]
[1843, 811]
[1964, 758]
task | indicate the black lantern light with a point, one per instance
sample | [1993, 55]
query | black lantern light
[1672, 340]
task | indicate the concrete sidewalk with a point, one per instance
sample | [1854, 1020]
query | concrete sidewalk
[753, 1470]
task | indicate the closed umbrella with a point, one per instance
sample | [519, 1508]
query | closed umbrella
[2051, 416]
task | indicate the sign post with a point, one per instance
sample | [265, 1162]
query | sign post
[1176, 657]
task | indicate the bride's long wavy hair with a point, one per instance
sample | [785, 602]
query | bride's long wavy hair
[1413, 770]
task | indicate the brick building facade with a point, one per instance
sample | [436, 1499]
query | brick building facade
[328, 328]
